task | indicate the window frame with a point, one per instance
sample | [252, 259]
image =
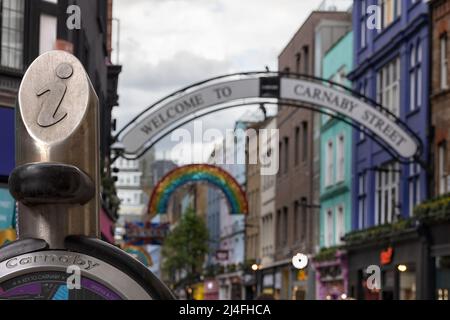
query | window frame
[362, 197]
[414, 190]
[18, 31]
[443, 61]
[388, 86]
[329, 165]
[442, 175]
[339, 224]
[387, 180]
[415, 76]
[340, 158]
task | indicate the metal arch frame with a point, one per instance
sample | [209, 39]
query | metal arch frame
[379, 141]
[279, 101]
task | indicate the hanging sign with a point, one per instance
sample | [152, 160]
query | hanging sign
[175, 110]
[161, 119]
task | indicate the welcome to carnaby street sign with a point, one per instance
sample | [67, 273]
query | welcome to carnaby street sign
[321, 94]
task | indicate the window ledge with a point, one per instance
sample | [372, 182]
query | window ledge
[387, 28]
[440, 93]
[413, 112]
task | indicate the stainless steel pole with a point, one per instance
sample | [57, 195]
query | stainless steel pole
[57, 151]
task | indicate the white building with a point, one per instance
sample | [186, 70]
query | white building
[267, 219]
[130, 193]
[232, 227]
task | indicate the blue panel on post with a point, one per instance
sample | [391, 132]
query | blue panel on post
[6, 141]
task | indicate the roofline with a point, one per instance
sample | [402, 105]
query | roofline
[305, 22]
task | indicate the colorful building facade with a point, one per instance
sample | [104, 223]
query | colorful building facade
[391, 66]
[297, 222]
[335, 178]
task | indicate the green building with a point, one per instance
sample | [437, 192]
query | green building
[336, 152]
[335, 178]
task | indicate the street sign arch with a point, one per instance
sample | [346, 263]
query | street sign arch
[296, 90]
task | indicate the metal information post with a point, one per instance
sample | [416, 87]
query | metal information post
[56, 184]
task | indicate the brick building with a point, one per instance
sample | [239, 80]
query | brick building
[297, 211]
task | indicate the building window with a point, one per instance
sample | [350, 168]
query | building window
[304, 219]
[442, 175]
[391, 9]
[297, 145]
[362, 201]
[297, 62]
[286, 154]
[305, 141]
[296, 221]
[329, 164]
[389, 86]
[280, 159]
[12, 21]
[47, 32]
[414, 186]
[387, 192]
[305, 60]
[285, 226]
[415, 76]
[362, 23]
[340, 155]
[443, 61]
[340, 224]
[329, 230]
[279, 229]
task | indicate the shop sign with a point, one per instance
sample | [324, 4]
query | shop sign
[222, 255]
[158, 121]
[386, 256]
[302, 275]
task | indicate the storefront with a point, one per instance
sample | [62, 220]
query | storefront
[198, 291]
[332, 277]
[211, 289]
[283, 281]
[440, 260]
[230, 286]
[399, 268]
[250, 285]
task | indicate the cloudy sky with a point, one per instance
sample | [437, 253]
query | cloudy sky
[169, 44]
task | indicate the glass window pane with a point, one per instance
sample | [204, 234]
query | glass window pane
[12, 34]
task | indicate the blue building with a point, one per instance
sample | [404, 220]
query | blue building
[391, 66]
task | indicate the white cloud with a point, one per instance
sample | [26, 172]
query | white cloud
[169, 44]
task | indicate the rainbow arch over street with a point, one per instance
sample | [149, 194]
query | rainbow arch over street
[192, 173]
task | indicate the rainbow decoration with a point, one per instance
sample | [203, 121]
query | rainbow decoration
[198, 173]
[139, 253]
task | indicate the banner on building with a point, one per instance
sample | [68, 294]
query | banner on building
[177, 109]
[142, 233]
